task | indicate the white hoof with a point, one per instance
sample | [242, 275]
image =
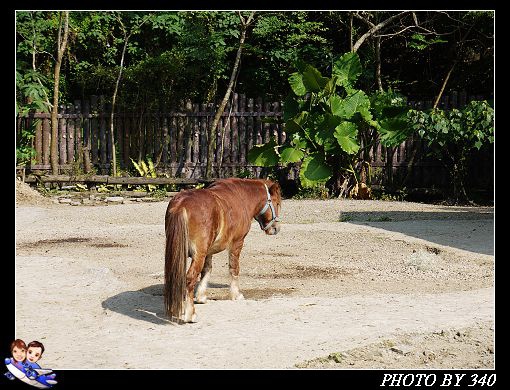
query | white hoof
[237, 297]
[188, 317]
[202, 299]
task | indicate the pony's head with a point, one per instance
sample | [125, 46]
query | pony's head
[269, 217]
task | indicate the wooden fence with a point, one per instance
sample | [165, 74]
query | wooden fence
[176, 140]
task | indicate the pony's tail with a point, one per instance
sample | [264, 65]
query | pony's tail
[176, 253]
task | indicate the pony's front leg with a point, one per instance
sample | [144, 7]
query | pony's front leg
[191, 280]
[233, 263]
[200, 295]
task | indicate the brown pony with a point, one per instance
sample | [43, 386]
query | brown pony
[202, 222]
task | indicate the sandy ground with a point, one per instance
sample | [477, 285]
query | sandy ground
[345, 284]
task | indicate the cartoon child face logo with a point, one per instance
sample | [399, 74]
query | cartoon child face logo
[19, 350]
[34, 354]
[23, 365]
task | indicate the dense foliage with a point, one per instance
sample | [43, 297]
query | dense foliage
[452, 135]
[323, 119]
[177, 55]
[336, 107]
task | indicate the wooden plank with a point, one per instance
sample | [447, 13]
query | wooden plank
[227, 140]
[103, 143]
[250, 128]
[277, 133]
[111, 180]
[173, 139]
[78, 131]
[38, 141]
[149, 137]
[119, 144]
[266, 129]
[242, 131]
[258, 124]
[46, 138]
[235, 132]
[166, 140]
[62, 137]
[86, 123]
[67, 179]
[196, 137]
[203, 135]
[206, 113]
[94, 130]
[188, 131]
[70, 134]
[181, 147]
[126, 150]
[108, 132]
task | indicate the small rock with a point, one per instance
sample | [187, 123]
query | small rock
[114, 199]
[64, 200]
[75, 203]
[402, 349]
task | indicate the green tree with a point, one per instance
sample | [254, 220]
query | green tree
[323, 117]
[453, 135]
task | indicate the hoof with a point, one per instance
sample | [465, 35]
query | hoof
[201, 299]
[237, 297]
[189, 319]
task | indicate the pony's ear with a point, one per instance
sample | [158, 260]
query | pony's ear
[275, 189]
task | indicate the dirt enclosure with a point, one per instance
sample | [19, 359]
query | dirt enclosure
[345, 284]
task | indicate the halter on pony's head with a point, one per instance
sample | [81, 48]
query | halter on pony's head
[269, 204]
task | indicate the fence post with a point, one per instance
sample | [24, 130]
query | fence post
[62, 130]
[46, 137]
[38, 140]
[70, 134]
[196, 131]
[94, 129]
[242, 131]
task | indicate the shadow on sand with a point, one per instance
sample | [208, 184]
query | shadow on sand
[145, 304]
[476, 224]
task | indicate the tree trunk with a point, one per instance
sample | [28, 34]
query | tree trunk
[375, 29]
[114, 98]
[61, 47]
[378, 63]
[212, 131]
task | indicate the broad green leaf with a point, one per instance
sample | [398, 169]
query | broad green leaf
[298, 141]
[325, 131]
[290, 155]
[394, 131]
[336, 104]
[357, 102]
[347, 68]
[330, 87]
[346, 133]
[296, 124]
[264, 155]
[313, 80]
[290, 107]
[296, 83]
[314, 170]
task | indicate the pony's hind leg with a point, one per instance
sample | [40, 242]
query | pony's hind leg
[191, 280]
[200, 295]
[233, 263]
